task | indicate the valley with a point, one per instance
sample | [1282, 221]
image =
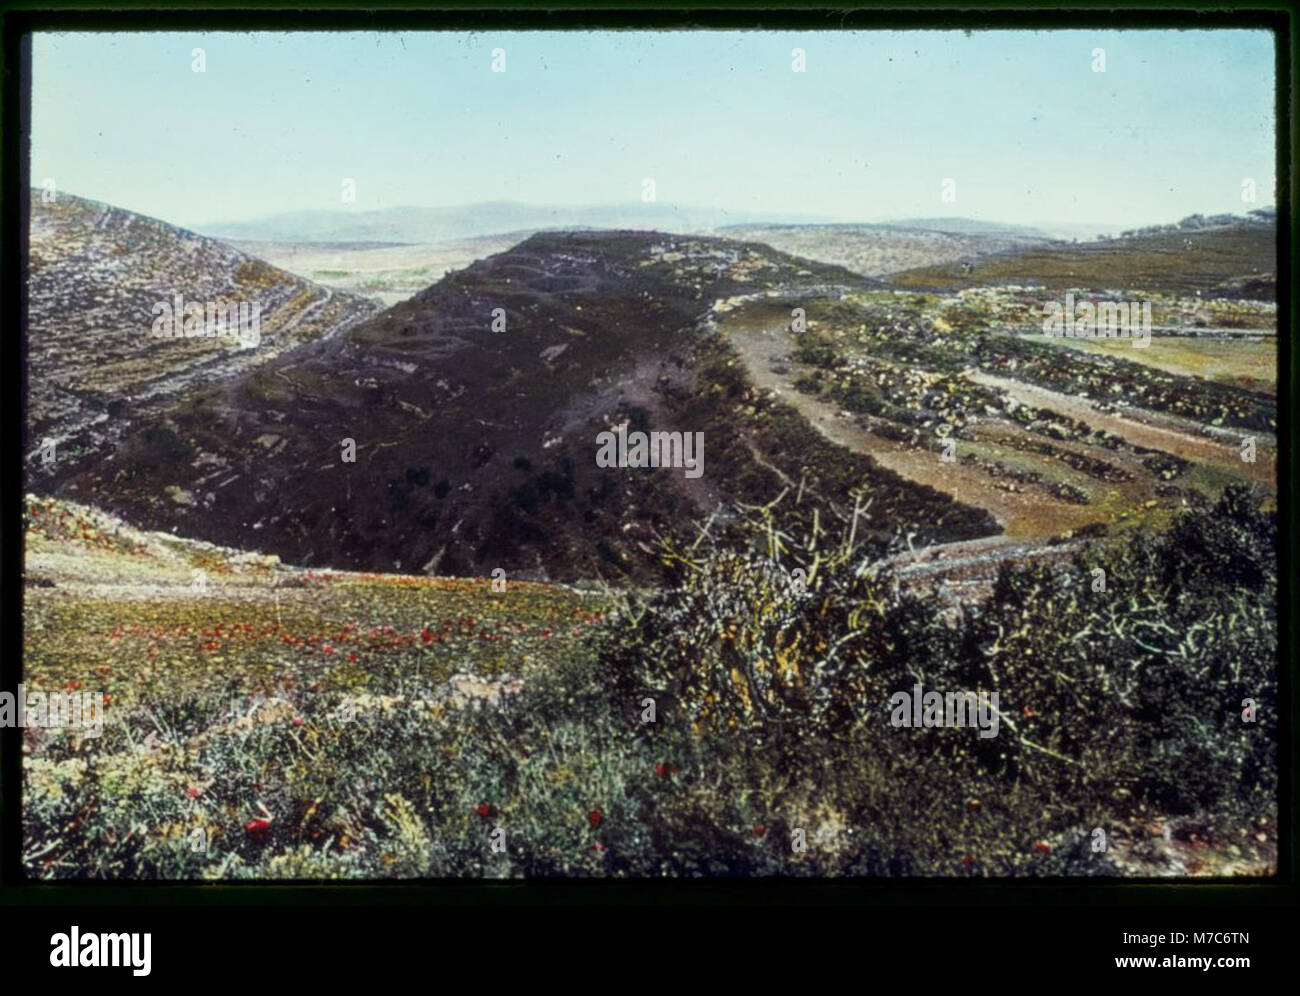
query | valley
[362, 593]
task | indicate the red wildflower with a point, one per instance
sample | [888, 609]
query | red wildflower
[1028, 712]
[967, 860]
[194, 791]
[759, 829]
[1042, 846]
[258, 826]
[595, 818]
[485, 810]
[297, 721]
[352, 657]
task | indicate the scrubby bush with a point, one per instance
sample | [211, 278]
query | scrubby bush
[1114, 699]
[1135, 662]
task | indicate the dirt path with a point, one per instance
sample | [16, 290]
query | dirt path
[1029, 513]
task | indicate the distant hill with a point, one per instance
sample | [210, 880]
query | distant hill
[476, 449]
[95, 275]
[436, 224]
[1232, 260]
[965, 226]
[875, 250]
[1075, 231]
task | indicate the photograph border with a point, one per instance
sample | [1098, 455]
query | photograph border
[19, 19]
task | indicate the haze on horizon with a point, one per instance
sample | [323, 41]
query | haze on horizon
[1018, 119]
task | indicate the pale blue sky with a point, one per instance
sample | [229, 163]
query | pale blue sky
[1019, 120]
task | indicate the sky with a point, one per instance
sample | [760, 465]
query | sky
[872, 128]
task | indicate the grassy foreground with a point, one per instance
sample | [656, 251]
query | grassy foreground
[285, 725]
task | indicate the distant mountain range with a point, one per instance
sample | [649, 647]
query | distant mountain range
[417, 225]
[435, 224]
[1064, 230]
[965, 226]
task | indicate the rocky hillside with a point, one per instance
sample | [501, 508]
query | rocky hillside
[1233, 259]
[96, 277]
[457, 432]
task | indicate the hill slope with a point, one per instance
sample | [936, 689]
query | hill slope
[96, 274]
[1234, 259]
[475, 449]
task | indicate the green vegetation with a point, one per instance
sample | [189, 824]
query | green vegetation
[731, 702]
[1206, 260]
[1119, 708]
[1250, 364]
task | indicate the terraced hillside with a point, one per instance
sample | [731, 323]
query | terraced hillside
[475, 449]
[95, 274]
[1046, 438]
[1231, 260]
[876, 250]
